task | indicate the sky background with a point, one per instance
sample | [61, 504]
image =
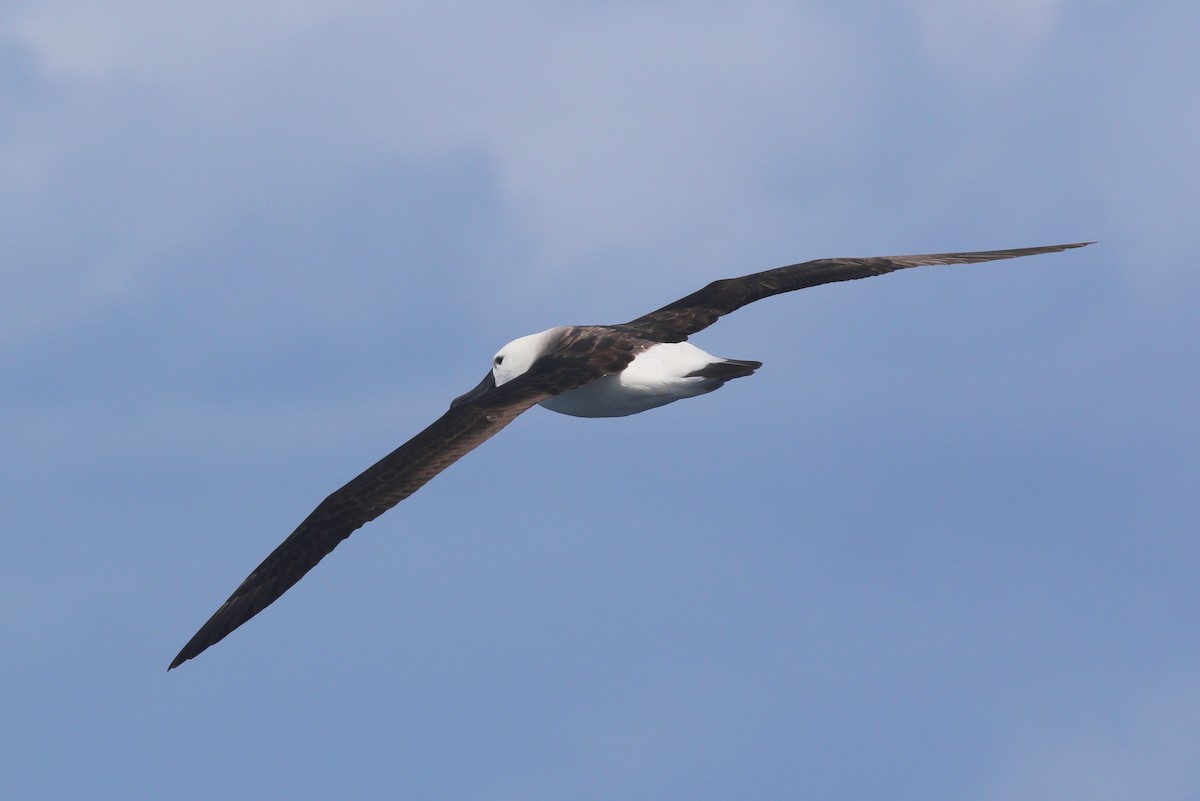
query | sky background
[944, 545]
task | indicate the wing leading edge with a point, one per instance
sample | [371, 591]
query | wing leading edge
[572, 360]
[676, 321]
[393, 478]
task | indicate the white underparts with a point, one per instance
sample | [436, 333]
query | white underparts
[658, 375]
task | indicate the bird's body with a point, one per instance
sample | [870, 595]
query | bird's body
[583, 371]
[662, 373]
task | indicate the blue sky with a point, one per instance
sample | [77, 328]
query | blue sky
[942, 546]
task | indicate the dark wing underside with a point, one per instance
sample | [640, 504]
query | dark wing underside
[576, 357]
[389, 481]
[677, 321]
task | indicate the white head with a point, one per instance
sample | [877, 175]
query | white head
[518, 356]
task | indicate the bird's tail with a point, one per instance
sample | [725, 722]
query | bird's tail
[725, 370]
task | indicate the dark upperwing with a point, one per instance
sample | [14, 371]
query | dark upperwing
[573, 360]
[677, 321]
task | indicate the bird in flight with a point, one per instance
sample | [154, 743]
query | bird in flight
[580, 370]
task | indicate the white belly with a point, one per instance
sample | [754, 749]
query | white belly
[657, 376]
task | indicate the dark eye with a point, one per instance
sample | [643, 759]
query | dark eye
[496, 361]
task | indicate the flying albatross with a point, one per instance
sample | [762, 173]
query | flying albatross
[580, 370]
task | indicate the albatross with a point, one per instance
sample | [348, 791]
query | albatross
[579, 370]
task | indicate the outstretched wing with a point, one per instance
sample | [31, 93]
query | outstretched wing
[570, 361]
[383, 485]
[677, 321]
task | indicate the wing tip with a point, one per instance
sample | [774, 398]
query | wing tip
[1033, 251]
[189, 651]
[223, 622]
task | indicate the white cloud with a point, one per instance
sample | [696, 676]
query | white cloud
[148, 42]
[987, 41]
[608, 128]
[616, 123]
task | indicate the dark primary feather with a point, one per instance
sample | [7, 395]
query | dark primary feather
[579, 355]
[676, 321]
[389, 481]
